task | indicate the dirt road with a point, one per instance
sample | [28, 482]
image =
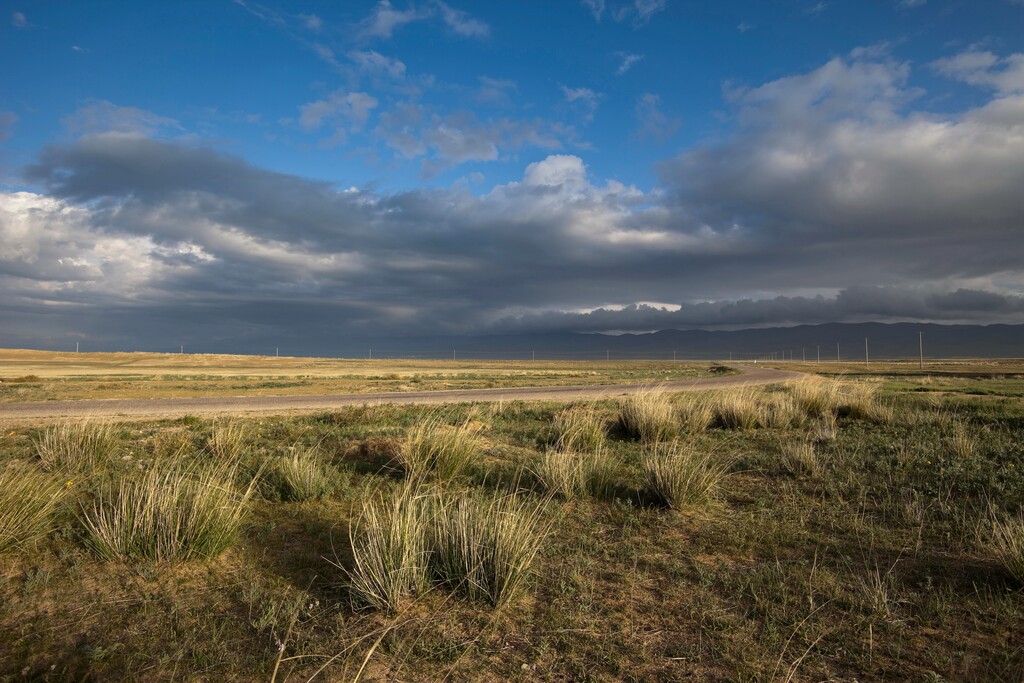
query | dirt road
[44, 411]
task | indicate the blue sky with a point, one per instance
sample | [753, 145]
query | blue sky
[655, 150]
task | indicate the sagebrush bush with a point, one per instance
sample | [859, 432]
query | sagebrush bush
[649, 415]
[28, 501]
[432, 446]
[302, 475]
[173, 511]
[579, 429]
[78, 447]
[682, 475]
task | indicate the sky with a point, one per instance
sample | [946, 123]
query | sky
[232, 172]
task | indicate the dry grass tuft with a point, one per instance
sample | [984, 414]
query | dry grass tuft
[76, 446]
[818, 398]
[173, 511]
[28, 500]
[228, 443]
[680, 475]
[580, 428]
[435, 447]
[650, 416]
[962, 443]
[388, 549]
[1008, 543]
[301, 476]
[861, 402]
[800, 459]
[574, 475]
[779, 411]
[737, 409]
[485, 546]
[697, 413]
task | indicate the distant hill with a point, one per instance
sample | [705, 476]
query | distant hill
[885, 341]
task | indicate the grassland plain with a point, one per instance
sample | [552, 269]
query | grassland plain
[45, 375]
[857, 530]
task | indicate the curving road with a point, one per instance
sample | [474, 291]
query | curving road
[158, 408]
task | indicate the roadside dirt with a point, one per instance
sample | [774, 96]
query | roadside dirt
[49, 411]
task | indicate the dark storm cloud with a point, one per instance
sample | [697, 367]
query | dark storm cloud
[826, 185]
[855, 304]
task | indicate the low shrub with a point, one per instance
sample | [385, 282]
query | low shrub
[680, 475]
[78, 447]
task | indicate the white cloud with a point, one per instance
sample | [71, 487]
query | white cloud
[1005, 75]
[909, 4]
[374, 62]
[461, 23]
[384, 19]
[653, 123]
[584, 98]
[596, 8]
[495, 91]
[626, 62]
[348, 110]
[18, 20]
[103, 116]
[312, 22]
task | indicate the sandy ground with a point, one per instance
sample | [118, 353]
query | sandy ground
[48, 411]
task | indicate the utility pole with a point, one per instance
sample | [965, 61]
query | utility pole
[803, 355]
[730, 356]
[607, 354]
[819, 352]
[453, 354]
[865, 351]
[76, 347]
[371, 353]
[182, 349]
[534, 355]
[837, 352]
[920, 349]
[673, 356]
[277, 351]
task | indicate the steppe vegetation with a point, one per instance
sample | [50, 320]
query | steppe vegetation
[820, 530]
[49, 376]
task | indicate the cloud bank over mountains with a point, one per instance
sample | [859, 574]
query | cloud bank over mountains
[834, 196]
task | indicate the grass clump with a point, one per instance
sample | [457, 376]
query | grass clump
[28, 500]
[816, 397]
[962, 443]
[228, 443]
[484, 546]
[800, 458]
[697, 413]
[738, 409]
[650, 416]
[580, 428]
[434, 447]
[574, 475]
[680, 475]
[779, 411]
[173, 511]
[388, 549]
[1008, 543]
[301, 476]
[861, 402]
[76, 446]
